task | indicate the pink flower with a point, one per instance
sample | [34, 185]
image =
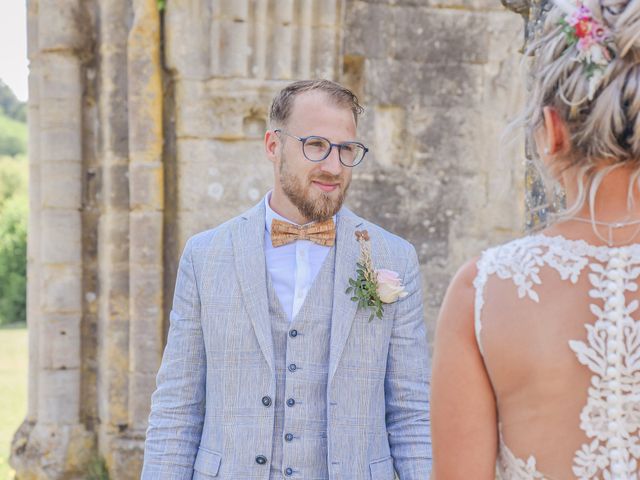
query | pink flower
[390, 287]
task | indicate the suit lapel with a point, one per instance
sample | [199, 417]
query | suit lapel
[344, 310]
[248, 252]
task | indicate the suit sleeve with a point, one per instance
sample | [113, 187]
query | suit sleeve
[407, 382]
[178, 404]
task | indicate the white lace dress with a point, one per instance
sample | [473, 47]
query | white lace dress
[610, 348]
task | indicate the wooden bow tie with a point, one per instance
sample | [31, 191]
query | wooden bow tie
[322, 233]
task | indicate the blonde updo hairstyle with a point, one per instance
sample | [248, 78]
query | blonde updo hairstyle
[603, 131]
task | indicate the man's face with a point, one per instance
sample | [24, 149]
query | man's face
[316, 189]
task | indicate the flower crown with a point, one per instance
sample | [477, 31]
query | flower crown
[592, 40]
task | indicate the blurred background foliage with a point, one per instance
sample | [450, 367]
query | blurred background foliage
[14, 206]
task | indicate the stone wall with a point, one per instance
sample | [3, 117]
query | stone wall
[147, 127]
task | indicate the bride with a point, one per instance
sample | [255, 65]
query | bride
[536, 371]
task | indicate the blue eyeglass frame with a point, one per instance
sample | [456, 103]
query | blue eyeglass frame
[339, 146]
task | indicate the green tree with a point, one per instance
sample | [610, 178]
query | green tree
[13, 178]
[13, 239]
[13, 136]
[10, 105]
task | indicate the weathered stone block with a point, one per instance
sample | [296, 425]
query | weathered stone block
[146, 185]
[125, 457]
[440, 36]
[189, 38]
[146, 331]
[63, 234]
[219, 185]
[61, 342]
[113, 239]
[113, 381]
[33, 46]
[62, 144]
[114, 294]
[391, 145]
[58, 27]
[370, 33]
[283, 11]
[61, 289]
[61, 78]
[51, 451]
[115, 186]
[328, 15]
[146, 239]
[324, 53]
[282, 59]
[140, 398]
[422, 84]
[58, 396]
[234, 10]
[62, 188]
[234, 49]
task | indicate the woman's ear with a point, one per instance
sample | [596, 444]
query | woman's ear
[556, 134]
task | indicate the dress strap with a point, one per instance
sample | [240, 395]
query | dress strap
[479, 283]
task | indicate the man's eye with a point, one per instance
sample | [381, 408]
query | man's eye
[348, 148]
[316, 144]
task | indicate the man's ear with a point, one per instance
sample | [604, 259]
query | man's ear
[271, 142]
[556, 133]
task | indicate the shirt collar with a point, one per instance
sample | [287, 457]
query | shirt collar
[270, 214]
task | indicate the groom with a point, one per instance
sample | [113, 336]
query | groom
[271, 369]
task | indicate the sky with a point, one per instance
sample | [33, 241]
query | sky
[13, 46]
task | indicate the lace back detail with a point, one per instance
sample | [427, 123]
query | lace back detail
[611, 349]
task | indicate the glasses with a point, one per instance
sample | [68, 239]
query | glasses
[316, 149]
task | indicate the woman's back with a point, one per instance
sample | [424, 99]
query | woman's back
[556, 325]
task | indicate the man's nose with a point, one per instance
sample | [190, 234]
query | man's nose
[332, 164]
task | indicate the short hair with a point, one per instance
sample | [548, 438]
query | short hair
[283, 101]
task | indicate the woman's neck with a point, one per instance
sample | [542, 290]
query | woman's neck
[611, 202]
[608, 218]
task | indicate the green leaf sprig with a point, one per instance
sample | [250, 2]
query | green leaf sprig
[364, 288]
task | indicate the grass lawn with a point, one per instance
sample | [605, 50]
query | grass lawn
[13, 388]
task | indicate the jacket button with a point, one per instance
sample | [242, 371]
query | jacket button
[288, 472]
[261, 459]
[293, 333]
[266, 401]
[292, 367]
[288, 437]
[291, 402]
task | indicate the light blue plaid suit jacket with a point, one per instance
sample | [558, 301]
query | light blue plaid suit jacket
[208, 414]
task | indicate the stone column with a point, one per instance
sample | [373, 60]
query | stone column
[113, 231]
[53, 443]
[146, 186]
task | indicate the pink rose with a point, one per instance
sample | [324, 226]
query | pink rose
[390, 287]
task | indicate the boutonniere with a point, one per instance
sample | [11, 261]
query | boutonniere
[371, 288]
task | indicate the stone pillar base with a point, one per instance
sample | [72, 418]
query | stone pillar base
[51, 452]
[124, 455]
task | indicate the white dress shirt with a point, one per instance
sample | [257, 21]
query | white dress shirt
[292, 267]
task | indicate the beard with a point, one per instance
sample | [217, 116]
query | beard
[314, 205]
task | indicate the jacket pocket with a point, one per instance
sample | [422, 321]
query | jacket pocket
[382, 469]
[207, 462]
